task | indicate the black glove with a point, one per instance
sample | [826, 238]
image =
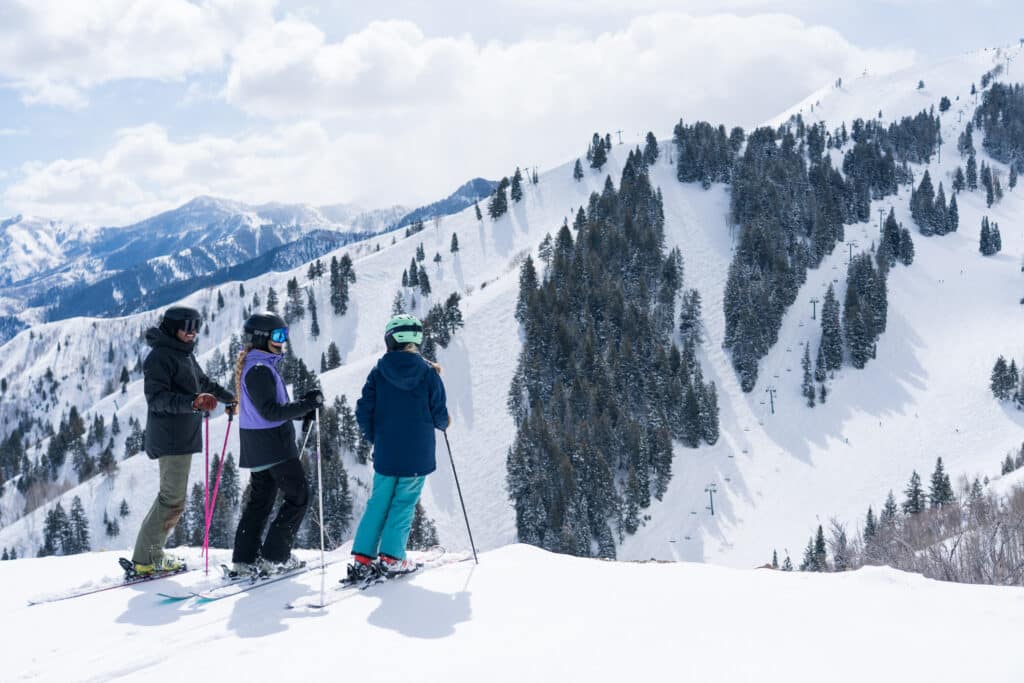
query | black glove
[314, 397]
[307, 420]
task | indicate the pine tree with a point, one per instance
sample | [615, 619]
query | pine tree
[985, 240]
[870, 527]
[906, 249]
[599, 155]
[972, 172]
[914, 502]
[272, 300]
[1000, 387]
[807, 387]
[941, 492]
[421, 254]
[1013, 175]
[424, 282]
[476, 207]
[959, 182]
[455, 244]
[527, 285]
[423, 534]
[995, 239]
[414, 274]
[314, 324]
[517, 186]
[577, 171]
[953, 216]
[333, 356]
[831, 332]
[775, 559]
[193, 521]
[650, 149]
[787, 565]
[79, 524]
[887, 519]
[122, 510]
[498, 205]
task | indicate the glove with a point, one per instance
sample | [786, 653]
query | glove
[204, 402]
[314, 397]
[307, 420]
[230, 408]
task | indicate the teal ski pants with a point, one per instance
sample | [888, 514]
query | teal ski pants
[387, 521]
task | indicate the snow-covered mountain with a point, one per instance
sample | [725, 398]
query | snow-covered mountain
[779, 467]
[57, 270]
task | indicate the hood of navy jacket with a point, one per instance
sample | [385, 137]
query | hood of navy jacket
[156, 338]
[403, 369]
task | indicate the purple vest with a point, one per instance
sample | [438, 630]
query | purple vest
[248, 416]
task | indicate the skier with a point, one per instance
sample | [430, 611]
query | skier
[402, 403]
[267, 448]
[177, 392]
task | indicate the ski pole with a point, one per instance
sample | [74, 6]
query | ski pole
[320, 493]
[461, 500]
[216, 487]
[206, 477]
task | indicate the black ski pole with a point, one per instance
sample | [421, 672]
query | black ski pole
[461, 501]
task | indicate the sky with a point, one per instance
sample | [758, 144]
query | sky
[113, 110]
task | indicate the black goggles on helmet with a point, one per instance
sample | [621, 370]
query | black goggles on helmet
[279, 336]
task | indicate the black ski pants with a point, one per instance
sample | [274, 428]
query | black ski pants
[289, 478]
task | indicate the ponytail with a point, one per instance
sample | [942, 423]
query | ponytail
[239, 364]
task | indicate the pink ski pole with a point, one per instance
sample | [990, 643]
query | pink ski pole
[206, 477]
[216, 487]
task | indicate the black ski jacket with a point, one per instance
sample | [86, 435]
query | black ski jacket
[172, 380]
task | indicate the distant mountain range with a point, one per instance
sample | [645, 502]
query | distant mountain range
[52, 270]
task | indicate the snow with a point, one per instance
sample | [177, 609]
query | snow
[521, 614]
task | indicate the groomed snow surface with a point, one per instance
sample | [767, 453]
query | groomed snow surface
[522, 614]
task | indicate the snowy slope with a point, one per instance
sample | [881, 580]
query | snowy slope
[522, 614]
[924, 396]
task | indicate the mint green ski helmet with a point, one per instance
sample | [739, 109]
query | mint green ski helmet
[401, 330]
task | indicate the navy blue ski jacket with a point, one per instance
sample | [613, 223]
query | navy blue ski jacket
[402, 403]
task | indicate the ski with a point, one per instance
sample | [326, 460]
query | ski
[123, 583]
[339, 591]
[250, 583]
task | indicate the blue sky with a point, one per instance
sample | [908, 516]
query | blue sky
[113, 110]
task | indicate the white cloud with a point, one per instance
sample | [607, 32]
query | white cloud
[53, 51]
[672, 61]
[391, 115]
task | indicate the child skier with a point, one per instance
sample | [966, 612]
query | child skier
[267, 447]
[402, 403]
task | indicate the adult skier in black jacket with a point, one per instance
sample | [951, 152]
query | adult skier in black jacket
[178, 393]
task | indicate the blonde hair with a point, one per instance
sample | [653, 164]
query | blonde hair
[239, 364]
[413, 348]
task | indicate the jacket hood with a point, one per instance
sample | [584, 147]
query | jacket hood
[403, 369]
[156, 338]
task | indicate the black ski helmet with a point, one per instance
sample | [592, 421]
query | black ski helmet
[259, 326]
[180, 318]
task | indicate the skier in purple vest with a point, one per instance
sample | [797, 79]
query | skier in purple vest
[268, 449]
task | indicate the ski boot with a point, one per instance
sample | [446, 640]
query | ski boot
[362, 570]
[265, 568]
[165, 564]
[392, 566]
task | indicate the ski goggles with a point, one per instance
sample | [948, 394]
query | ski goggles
[279, 336]
[190, 325]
